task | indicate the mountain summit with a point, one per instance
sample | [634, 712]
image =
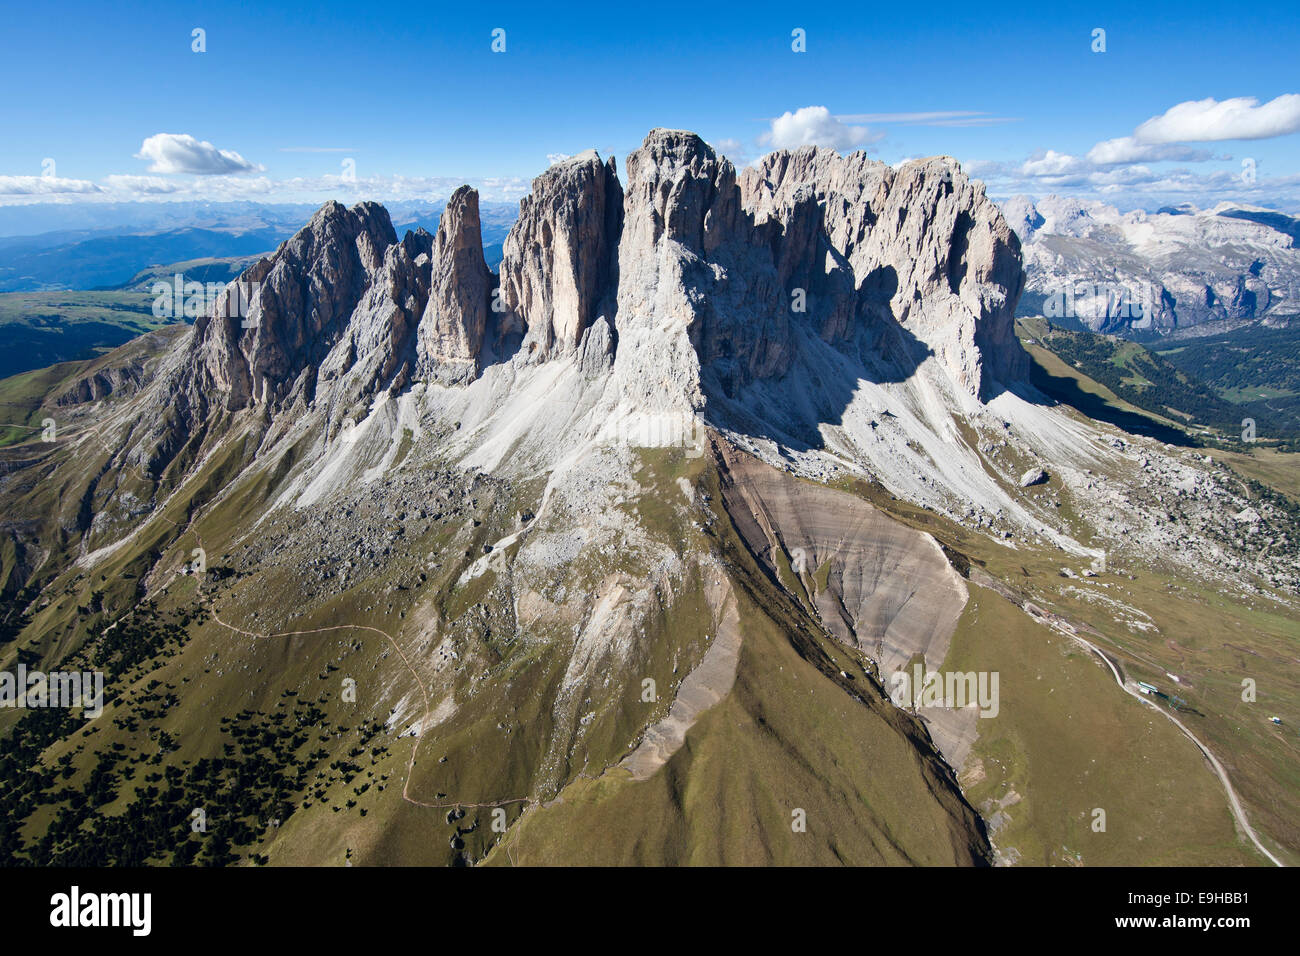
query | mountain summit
[915, 261]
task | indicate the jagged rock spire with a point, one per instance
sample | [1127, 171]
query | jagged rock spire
[927, 249]
[302, 300]
[692, 279]
[451, 331]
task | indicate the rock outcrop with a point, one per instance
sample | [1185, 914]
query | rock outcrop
[923, 246]
[697, 288]
[559, 259]
[455, 319]
[1034, 476]
[302, 300]
[375, 349]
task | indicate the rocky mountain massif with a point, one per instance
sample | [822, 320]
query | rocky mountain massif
[612, 555]
[1180, 270]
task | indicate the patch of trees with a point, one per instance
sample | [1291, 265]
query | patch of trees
[1171, 387]
[109, 808]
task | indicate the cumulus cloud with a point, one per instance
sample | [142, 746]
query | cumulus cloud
[1209, 120]
[1129, 168]
[815, 126]
[1163, 138]
[171, 153]
[314, 189]
[1120, 163]
[1058, 170]
[1136, 185]
[1051, 163]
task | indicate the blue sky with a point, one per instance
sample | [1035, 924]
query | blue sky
[414, 97]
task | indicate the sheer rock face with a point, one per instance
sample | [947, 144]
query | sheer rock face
[455, 319]
[840, 244]
[925, 248]
[377, 347]
[699, 289]
[302, 302]
[559, 259]
[689, 281]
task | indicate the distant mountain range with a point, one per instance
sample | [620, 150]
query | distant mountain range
[1179, 271]
[104, 246]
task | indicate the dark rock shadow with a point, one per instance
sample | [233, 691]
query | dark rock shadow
[502, 339]
[1061, 390]
[824, 376]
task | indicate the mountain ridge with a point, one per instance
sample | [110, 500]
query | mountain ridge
[1178, 271]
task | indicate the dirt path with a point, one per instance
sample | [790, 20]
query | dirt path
[94, 432]
[424, 693]
[1061, 626]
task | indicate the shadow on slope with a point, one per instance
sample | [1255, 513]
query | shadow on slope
[1066, 391]
[824, 377]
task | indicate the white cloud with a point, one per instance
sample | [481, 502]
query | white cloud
[1118, 168]
[1118, 163]
[815, 126]
[1208, 120]
[1138, 185]
[932, 118]
[171, 153]
[44, 186]
[15, 190]
[1059, 170]
[1052, 163]
[1163, 138]
[142, 185]
[1126, 149]
[553, 158]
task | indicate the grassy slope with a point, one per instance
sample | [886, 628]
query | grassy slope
[715, 806]
[1257, 368]
[1151, 382]
[1276, 468]
[791, 735]
[1211, 641]
[205, 270]
[1066, 741]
